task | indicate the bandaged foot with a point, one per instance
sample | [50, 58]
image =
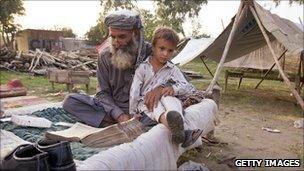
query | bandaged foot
[176, 126]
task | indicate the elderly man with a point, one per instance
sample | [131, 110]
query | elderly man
[116, 66]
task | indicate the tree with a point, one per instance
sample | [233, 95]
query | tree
[114, 4]
[173, 13]
[300, 2]
[68, 32]
[150, 22]
[99, 32]
[167, 13]
[96, 34]
[8, 27]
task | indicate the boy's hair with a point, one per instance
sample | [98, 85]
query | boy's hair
[166, 33]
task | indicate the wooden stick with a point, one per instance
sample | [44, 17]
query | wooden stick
[208, 69]
[286, 80]
[37, 61]
[32, 63]
[269, 70]
[227, 47]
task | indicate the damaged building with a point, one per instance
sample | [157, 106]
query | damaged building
[47, 40]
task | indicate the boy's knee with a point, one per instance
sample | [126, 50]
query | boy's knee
[170, 98]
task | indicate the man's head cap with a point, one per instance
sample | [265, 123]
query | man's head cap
[123, 19]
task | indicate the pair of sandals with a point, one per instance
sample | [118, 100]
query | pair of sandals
[179, 135]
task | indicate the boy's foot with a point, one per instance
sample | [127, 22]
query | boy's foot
[176, 125]
[191, 137]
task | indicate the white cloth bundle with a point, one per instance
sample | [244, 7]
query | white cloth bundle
[154, 150]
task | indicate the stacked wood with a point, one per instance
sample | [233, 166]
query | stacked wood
[35, 61]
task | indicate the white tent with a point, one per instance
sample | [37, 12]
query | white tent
[251, 29]
[193, 48]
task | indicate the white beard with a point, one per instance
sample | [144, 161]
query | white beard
[125, 57]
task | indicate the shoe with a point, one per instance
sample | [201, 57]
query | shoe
[176, 126]
[60, 154]
[191, 137]
[26, 157]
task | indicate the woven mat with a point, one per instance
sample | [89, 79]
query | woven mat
[80, 151]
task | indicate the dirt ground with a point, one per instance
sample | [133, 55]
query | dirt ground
[241, 135]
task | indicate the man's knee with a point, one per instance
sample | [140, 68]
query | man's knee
[70, 102]
[208, 104]
[66, 102]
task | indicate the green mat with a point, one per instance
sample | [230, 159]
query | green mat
[80, 151]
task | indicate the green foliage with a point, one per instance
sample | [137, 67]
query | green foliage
[150, 23]
[97, 33]
[9, 9]
[300, 2]
[109, 5]
[68, 32]
[173, 13]
[168, 13]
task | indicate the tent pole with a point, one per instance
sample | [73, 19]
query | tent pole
[269, 70]
[298, 79]
[227, 47]
[294, 92]
[208, 68]
[302, 62]
[300, 73]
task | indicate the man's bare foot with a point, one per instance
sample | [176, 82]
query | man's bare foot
[123, 118]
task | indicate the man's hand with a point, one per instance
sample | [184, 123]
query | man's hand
[152, 98]
[167, 91]
[137, 116]
[123, 118]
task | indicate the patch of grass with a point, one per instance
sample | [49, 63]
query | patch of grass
[40, 86]
[272, 96]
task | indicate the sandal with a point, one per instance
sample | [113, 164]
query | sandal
[176, 126]
[191, 137]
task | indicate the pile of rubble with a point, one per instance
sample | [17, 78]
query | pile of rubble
[40, 61]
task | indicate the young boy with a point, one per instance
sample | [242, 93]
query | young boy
[158, 72]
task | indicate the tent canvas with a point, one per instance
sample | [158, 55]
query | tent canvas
[248, 48]
[261, 59]
[251, 29]
[248, 37]
[193, 48]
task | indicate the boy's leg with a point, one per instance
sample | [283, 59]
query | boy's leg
[170, 104]
[165, 105]
[177, 122]
[156, 113]
[173, 118]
